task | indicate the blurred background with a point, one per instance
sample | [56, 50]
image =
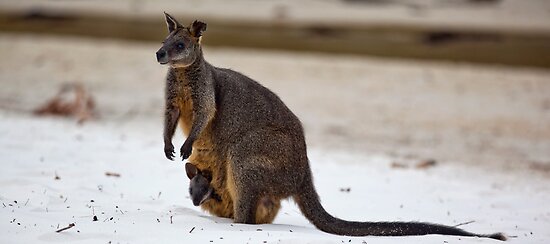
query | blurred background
[446, 80]
[430, 110]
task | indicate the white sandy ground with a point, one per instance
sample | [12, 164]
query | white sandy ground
[353, 109]
[152, 189]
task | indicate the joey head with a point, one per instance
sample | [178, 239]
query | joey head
[199, 186]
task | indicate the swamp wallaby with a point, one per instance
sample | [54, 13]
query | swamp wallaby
[199, 186]
[251, 142]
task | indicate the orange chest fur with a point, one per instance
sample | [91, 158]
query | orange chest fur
[185, 105]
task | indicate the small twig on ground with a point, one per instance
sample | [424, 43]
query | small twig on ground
[192, 229]
[171, 222]
[426, 164]
[71, 225]
[465, 223]
[112, 174]
[345, 189]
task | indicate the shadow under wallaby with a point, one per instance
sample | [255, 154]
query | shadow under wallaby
[250, 141]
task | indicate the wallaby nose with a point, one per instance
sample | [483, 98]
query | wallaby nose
[161, 56]
[196, 202]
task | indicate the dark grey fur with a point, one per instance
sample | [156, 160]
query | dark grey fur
[260, 138]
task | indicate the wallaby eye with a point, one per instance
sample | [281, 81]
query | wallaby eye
[180, 46]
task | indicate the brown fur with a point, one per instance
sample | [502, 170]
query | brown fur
[202, 156]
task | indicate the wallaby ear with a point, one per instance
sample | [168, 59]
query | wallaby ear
[191, 170]
[171, 22]
[197, 28]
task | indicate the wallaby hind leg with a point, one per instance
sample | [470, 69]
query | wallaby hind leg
[259, 169]
[246, 197]
[267, 207]
[245, 206]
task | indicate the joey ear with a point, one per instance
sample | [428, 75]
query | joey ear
[191, 170]
[171, 22]
[197, 28]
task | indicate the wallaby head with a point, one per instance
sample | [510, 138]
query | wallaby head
[182, 46]
[199, 187]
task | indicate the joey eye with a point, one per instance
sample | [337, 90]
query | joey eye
[180, 46]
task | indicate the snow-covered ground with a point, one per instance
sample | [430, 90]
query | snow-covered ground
[149, 201]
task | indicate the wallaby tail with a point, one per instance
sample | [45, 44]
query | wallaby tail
[308, 201]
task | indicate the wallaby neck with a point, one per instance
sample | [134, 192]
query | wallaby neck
[197, 72]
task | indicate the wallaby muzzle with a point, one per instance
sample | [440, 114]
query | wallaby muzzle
[206, 196]
[162, 58]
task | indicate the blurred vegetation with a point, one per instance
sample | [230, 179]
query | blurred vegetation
[392, 39]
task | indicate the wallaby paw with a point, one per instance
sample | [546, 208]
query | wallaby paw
[169, 151]
[185, 150]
